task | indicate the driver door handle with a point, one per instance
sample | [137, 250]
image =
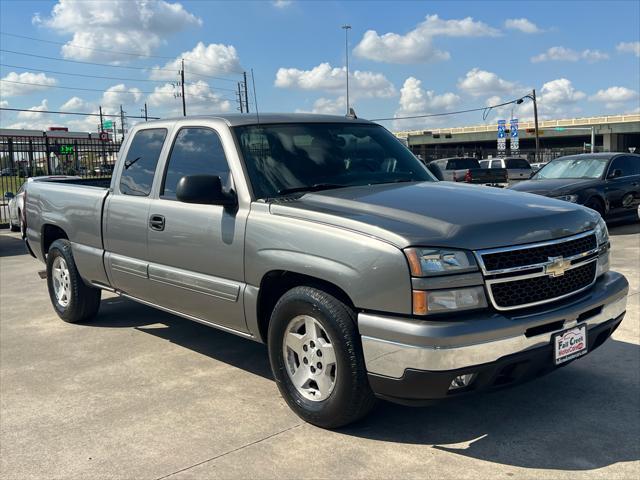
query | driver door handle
[156, 222]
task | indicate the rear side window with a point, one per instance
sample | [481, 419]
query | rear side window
[140, 165]
[517, 163]
[496, 163]
[484, 163]
[196, 151]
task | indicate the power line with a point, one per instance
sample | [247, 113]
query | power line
[103, 77]
[105, 91]
[442, 114]
[104, 50]
[74, 113]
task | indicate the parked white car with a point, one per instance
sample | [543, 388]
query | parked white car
[517, 168]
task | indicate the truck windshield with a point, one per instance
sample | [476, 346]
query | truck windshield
[573, 167]
[287, 158]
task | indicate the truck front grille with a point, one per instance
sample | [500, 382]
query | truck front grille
[540, 254]
[533, 290]
[524, 276]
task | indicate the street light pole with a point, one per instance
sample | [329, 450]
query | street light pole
[346, 51]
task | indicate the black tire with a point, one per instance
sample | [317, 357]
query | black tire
[83, 301]
[12, 227]
[594, 203]
[351, 397]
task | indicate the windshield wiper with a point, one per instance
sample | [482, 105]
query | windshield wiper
[399, 180]
[311, 188]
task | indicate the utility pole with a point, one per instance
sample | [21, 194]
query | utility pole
[246, 93]
[101, 127]
[535, 116]
[146, 118]
[346, 51]
[184, 104]
[240, 98]
[122, 121]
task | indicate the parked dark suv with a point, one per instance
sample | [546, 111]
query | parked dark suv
[609, 183]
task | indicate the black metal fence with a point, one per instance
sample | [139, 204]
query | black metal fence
[51, 153]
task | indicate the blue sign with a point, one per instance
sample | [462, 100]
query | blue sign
[514, 127]
[501, 128]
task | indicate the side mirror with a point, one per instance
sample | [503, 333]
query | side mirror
[433, 168]
[9, 195]
[204, 189]
[616, 173]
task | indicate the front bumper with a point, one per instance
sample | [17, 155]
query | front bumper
[411, 359]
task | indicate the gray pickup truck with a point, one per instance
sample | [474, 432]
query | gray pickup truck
[326, 239]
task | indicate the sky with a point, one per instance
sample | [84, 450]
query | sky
[406, 58]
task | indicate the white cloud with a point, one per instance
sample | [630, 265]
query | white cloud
[615, 97]
[556, 99]
[282, 3]
[213, 59]
[522, 24]
[4, 103]
[562, 54]
[118, 95]
[629, 47]
[324, 77]
[34, 113]
[328, 106]
[28, 83]
[77, 104]
[199, 96]
[417, 45]
[119, 25]
[479, 82]
[415, 100]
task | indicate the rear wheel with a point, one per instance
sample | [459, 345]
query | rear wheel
[73, 300]
[317, 360]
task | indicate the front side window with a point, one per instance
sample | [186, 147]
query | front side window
[283, 157]
[140, 164]
[627, 164]
[196, 151]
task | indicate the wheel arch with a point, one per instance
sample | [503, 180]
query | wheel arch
[276, 282]
[51, 233]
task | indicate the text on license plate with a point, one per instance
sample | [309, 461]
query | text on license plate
[570, 344]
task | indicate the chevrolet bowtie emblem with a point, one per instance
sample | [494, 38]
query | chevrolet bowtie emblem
[556, 266]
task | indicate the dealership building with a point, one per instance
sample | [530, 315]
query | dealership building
[615, 133]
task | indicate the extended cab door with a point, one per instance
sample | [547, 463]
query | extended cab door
[126, 213]
[196, 264]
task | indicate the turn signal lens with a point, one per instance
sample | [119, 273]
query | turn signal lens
[420, 302]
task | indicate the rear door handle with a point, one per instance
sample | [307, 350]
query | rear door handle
[156, 222]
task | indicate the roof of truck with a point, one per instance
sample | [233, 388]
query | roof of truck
[238, 119]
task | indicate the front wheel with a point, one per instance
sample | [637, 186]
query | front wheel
[317, 359]
[73, 300]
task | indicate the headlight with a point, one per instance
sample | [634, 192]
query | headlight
[425, 262]
[602, 233]
[568, 198]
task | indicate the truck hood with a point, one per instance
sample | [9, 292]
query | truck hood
[441, 214]
[554, 186]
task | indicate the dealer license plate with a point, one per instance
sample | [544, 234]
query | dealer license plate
[570, 344]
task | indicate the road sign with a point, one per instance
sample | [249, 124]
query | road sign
[515, 140]
[502, 137]
[107, 124]
[104, 136]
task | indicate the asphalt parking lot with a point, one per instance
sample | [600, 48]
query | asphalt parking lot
[139, 393]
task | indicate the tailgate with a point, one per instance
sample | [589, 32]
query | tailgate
[488, 175]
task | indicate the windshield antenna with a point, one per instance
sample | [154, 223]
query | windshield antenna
[255, 97]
